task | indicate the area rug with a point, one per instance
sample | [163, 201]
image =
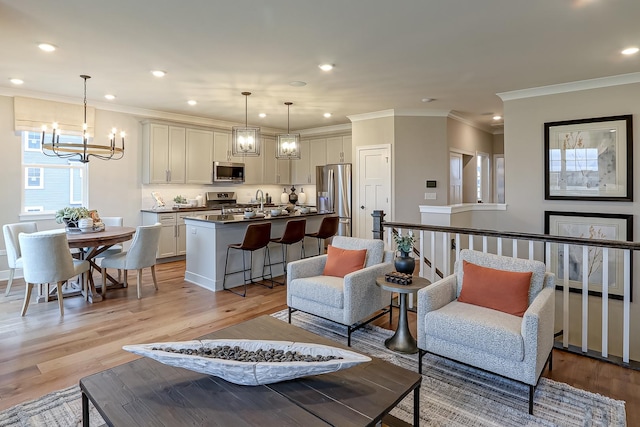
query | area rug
[451, 394]
[456, 395]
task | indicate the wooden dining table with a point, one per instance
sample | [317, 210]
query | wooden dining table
[92, 244]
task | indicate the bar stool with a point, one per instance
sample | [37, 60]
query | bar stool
[328, 228]
[293, 233]
[256, 237]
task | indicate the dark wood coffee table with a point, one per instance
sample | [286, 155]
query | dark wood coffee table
[147, 393]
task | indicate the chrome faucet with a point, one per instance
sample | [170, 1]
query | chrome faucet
[261, 199]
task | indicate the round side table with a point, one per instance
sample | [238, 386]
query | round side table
[402, 341]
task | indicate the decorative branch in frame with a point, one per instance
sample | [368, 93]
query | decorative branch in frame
[589, 159]
[589, 226]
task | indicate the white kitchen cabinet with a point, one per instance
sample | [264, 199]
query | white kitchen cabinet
[199, 156]
[221, 147]
[338, 149]
[252, 168]
[312, 153]
[167, 242]
[275, 171]
[301, 169]
[163, 154]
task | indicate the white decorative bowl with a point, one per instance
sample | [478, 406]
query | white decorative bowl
[275, 212]
[250, 373]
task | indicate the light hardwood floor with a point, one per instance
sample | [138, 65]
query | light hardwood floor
[43, 352]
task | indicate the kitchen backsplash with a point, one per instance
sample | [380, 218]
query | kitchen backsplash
[245, 193]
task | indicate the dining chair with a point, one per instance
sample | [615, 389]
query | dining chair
[112, 221]
[12, 246]
[46, 259]
[141, 254]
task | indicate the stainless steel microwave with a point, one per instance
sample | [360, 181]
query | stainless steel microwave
[228, 172]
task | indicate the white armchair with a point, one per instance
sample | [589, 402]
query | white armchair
[349, 301]
[505, 344]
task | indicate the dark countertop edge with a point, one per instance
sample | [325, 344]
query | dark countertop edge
[197, 209]
[247, 220]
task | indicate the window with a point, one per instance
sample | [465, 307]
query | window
[33, 178]
[482, 178]
[51, 183]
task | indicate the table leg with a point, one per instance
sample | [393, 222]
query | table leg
[416, 406]
[85, 410]
[402, 341]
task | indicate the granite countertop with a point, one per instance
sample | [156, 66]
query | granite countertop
[167, 209]
[239, 218]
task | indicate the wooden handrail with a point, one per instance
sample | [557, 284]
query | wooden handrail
[615, 244]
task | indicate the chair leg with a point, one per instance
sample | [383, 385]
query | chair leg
[153, 274]
[125, 274]
[139, 274]
[290, 311]
[421, 354]
[531, 390]
[104, 281]
[27, 298]
[60, 304]
[12, 271]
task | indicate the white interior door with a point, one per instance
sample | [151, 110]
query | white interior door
[374, 186]
[455, 178]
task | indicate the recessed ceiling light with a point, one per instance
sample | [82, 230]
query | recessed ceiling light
[110, 97]
[327, 115]
[428, 99]
[262, 115]
[192, 102]
[630, 51]
[497, 117]
[158, 73]
[297, 83]
[16, 81]
[47, 47]
[326, 67]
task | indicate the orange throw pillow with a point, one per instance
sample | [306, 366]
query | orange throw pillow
[341, 262]
[506, 291]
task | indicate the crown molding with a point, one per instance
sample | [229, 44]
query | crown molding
[140, 113]
[398, 113]
[597, 83]
[326, 129]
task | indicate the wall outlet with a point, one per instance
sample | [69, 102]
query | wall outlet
[429, 196]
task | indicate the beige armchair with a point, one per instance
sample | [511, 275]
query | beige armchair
[349, 301]
[505, 344]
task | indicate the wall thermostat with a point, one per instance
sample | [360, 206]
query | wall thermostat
[431, 184]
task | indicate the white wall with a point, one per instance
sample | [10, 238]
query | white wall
[524, 162]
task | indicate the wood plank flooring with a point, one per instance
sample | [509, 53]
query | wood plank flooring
[43, 352]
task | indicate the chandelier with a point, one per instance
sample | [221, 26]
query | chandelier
[245, 140]
[83, 150]
[288, 146]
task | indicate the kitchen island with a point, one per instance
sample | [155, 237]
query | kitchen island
[208, 237]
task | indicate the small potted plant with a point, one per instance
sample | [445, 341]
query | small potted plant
[70, 216]
[404, 263]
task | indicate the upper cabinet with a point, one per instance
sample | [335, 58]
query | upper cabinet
[339, 149]
[221, 147]
[163, 154]
[275, 171]
[199, 155]
[313, 152]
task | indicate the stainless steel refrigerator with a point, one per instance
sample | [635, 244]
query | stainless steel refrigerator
[333, 185]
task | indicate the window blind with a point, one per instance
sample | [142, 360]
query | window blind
[31, 113]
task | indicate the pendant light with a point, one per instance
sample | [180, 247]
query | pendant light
[83, 150]
[288, 146]
[245, 140]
